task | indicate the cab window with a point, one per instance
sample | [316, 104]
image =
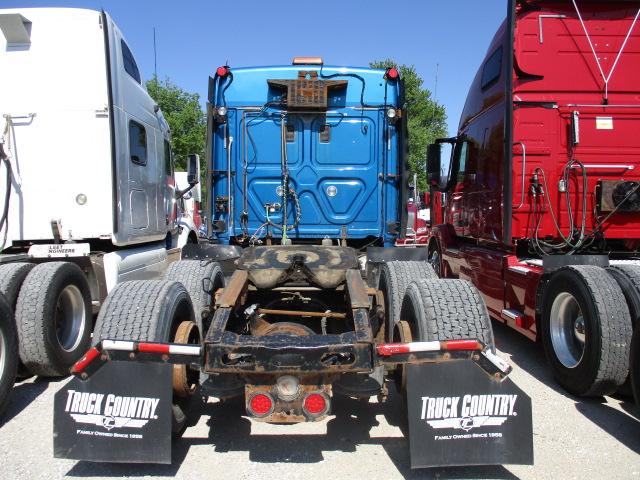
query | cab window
[492, 68]
[168, 159]
[129, 62]
[137, 143]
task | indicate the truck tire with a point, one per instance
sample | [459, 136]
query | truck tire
[446, 310]
[11, 277]
[395, 276]
[8, 352]
[54, 318]
[149, 311]
[586, 330]
[634, 368]
[628, 279]
[195, 275]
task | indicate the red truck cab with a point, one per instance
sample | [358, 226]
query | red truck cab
[541, 195]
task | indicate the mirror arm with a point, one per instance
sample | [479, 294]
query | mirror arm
[182, 193]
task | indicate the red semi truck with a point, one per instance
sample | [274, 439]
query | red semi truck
[539, 205]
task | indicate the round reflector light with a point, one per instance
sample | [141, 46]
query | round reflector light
[315, 404]
[260, 405]
[392, 73]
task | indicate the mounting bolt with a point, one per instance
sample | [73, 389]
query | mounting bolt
[84, 375]
[165, 357]
[132, 355]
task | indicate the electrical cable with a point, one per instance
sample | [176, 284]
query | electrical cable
[567, 241]
[224, 90]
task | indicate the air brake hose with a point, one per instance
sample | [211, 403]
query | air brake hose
[286, 190]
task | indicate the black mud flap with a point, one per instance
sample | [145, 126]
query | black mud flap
[121, 413]
[459, 415]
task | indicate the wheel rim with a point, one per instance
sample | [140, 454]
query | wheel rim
[434, 261]
[568, 330]
[185, 378]
[70, 318]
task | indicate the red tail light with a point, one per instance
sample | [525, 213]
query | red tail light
[223, 71]
[392, 73]
[260, 405]
[316, 404]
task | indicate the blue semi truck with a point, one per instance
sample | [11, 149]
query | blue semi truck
[306, 152]
[295, 298]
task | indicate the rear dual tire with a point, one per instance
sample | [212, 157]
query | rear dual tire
[150, 311]
[395, 277]
[201, 279]
[446, 310]
[8, 352]
[586, 330]
[54, 318]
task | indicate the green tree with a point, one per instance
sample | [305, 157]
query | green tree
[427, 119]
[185, 117]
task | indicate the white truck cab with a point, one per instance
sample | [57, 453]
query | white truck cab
[86, 174]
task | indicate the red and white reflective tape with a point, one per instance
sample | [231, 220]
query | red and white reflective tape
[128, 346]
[390, 349]
[146, 347]
[88, 357]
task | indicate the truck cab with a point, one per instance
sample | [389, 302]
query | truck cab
[540, 186]
[306, 153]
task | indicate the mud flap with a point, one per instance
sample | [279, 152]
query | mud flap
[121, 413]
[459, 415]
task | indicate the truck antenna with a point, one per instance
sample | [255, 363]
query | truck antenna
[155, 57]
[435, 88]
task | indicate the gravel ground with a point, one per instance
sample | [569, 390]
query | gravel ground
[573, 438]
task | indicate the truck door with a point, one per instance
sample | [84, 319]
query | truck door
[459, 214]
[136, 128]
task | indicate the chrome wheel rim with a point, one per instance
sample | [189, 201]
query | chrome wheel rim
[70, 318]
[435, 262]
[568, 330]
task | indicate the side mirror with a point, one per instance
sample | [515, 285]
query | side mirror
[193, 169]
[434, 154]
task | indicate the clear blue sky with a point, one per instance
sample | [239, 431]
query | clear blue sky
[194, 37]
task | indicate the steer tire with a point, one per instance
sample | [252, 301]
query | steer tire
[147, 311]
[201, 279]
[395, 277]
[634, 369]
[446, 309]
[586, 330]
[628, 278]
[11, 277]
[8, 352]
[54, 318]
